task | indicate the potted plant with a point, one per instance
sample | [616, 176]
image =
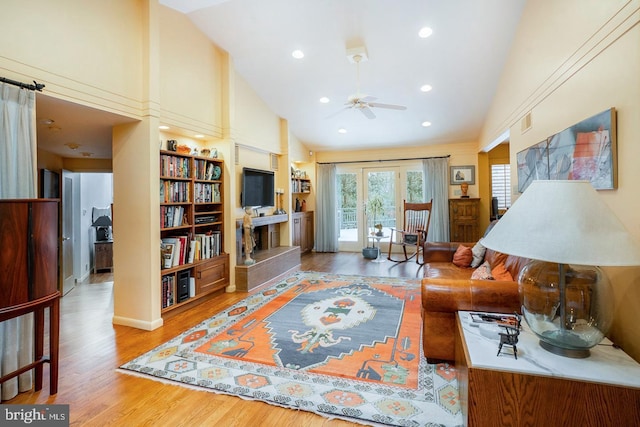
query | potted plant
[373, 209]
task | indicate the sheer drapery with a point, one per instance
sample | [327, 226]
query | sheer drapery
[326, 206]
[435, 182]
[17, 181]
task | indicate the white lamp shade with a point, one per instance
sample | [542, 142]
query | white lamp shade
[564, 222]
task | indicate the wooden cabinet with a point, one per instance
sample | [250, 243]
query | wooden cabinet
[191, 228]
[540, 388]
[303, 230]
[103, 252]
[464, 220]
[29, 279]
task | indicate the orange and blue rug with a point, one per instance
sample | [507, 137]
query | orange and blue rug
[341, 346]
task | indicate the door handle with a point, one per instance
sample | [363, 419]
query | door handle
[66, 238]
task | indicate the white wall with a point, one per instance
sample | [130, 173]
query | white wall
[96, 190]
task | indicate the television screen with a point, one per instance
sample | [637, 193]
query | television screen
[258, 188]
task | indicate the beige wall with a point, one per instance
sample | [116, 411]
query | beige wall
[571, 60]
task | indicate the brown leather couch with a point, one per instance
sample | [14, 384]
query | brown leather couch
[447, 288]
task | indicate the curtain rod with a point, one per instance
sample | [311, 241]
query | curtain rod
[35, 86]
[385, 160]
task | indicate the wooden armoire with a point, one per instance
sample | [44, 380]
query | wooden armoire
[29, 276]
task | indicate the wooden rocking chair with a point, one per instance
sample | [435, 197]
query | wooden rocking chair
[414, 232]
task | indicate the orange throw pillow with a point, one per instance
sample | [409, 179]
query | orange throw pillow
[463, 256]
[499, 272]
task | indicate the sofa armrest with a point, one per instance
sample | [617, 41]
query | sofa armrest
[449, 296]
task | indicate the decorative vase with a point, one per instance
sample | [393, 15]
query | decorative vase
[370, 253]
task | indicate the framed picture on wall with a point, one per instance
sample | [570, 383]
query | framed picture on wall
[460, 174]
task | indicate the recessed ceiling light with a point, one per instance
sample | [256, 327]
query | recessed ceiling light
[199, 135]
[426, 124]
[72, 145]
[342, 130]
[298, 54]
[163, 127]
[47, 121]
[425, 88]
[425, 32]
[324, 100]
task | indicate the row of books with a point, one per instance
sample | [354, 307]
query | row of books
[205, 169]
[174, 192]
[168, 290]
[300, 186]
[179, 250]
[172, 216]
[206, 193]
[175, 167]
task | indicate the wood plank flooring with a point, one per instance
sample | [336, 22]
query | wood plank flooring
[91, 349]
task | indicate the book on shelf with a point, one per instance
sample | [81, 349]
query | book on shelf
[168, 290]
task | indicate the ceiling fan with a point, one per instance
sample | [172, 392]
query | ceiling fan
[364, 103]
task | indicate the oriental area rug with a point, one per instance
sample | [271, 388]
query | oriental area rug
[345, 347]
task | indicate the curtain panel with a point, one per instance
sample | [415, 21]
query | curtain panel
[436, 188]
[18, 172]
[326, 206]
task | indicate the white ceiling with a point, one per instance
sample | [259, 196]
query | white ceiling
[462, 60]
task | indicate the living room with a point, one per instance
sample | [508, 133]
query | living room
[568, 62]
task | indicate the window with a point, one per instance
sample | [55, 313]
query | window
[501, 184]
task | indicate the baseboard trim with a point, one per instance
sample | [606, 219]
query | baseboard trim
[136, 323]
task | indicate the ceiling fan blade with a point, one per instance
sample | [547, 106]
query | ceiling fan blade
[338, 112]
[388, 106]
[367, 98]
[367, 113]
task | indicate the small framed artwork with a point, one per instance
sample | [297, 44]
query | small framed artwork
[460, 174]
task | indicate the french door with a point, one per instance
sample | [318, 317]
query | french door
[368, 197]
[359, 187]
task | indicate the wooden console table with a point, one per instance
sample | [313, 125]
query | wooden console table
[29, 283]
[541, 388]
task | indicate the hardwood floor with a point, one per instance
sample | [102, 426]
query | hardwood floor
[91, 349]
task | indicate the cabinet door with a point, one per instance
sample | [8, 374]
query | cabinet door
[297, 230]
[308, 233]
[212, 275]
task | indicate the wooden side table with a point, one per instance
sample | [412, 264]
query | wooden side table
[103, 255]
[541, 388]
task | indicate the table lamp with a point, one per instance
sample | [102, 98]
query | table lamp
[564, 228]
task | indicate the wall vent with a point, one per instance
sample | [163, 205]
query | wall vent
[525, 124]
[274, 161]
[237, 153]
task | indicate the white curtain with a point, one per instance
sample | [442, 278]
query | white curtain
[436, 188]
[17, 181]
[326, 207]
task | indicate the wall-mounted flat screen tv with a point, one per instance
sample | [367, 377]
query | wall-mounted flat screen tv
[258, 188]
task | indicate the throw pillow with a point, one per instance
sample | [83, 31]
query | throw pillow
[500, 272]
[478, 254]
[483, 272]
[463, 256]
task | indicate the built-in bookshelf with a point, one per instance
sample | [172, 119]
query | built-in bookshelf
[193, 261]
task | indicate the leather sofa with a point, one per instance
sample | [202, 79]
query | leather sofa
[447, 288]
